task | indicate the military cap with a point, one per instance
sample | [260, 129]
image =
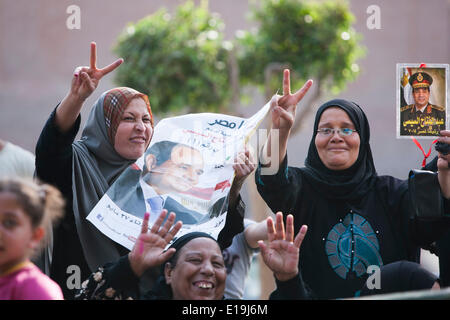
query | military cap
[420, 80]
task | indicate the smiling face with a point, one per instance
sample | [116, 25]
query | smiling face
[17, 237]
[421, 97]
[336, 152]
[134, 131]
[179, 173]
[199, 273]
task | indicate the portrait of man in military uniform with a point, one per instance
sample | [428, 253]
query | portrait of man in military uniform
[421, 118]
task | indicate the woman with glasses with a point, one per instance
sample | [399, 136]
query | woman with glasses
[364, 229]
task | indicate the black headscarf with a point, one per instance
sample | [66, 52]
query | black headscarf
[354, 182]
[161, 290]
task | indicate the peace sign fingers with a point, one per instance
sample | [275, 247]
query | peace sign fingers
[104, 71]
[286, 82]
[302, 91]
[99, 73]
[93, 56]
[289, 99]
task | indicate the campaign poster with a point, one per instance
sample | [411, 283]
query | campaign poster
[187, 169]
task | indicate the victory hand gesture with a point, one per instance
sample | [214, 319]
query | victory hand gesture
[84, 82]
[282, 252]
[86, 79]
[283, 108]
[149, 248]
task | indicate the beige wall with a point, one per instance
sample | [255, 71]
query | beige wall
[38, 52]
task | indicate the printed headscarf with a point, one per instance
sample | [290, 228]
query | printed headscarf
[95, 166]
[115, 103]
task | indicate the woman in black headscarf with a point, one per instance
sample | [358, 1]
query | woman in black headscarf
[356, 218]
[193, 267]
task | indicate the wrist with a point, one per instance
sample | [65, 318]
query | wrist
[235, 188]
[283, 129]
[74, 98]
[283, 135]
[236, 185]
[285, 276]
[443, 178]
[137, 270]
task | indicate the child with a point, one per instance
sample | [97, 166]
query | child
[26, 209]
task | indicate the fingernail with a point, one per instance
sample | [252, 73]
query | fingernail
[147, 214]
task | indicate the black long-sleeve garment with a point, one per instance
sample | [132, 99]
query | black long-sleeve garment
[54, 166]
[442, 246]
[117, 281]
[345, 237]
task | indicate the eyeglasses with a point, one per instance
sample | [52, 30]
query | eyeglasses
[343, 132]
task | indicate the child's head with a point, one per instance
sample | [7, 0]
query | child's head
[26, 210]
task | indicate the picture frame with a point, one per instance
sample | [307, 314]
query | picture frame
[422, 100]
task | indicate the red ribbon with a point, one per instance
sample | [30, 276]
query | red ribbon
[424, 162]
[425, 155]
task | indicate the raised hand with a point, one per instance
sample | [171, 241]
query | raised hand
[85, 79]
[283, 108]
[281, 254]
[84, 82]
[149, 249]
[244, 164]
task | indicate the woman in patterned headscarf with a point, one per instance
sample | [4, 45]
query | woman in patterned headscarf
[116, 134]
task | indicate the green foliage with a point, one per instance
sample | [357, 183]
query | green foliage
[314, 38]
[179, 60]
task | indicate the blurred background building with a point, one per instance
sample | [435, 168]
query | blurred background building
[38, 54]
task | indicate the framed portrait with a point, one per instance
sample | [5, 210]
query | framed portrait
[422, 100]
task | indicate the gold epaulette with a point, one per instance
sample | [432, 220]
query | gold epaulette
[406, 107]
[439, 108]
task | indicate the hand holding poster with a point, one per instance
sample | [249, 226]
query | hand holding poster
[187, 169]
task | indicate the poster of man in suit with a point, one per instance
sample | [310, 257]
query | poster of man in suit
[187, 169]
